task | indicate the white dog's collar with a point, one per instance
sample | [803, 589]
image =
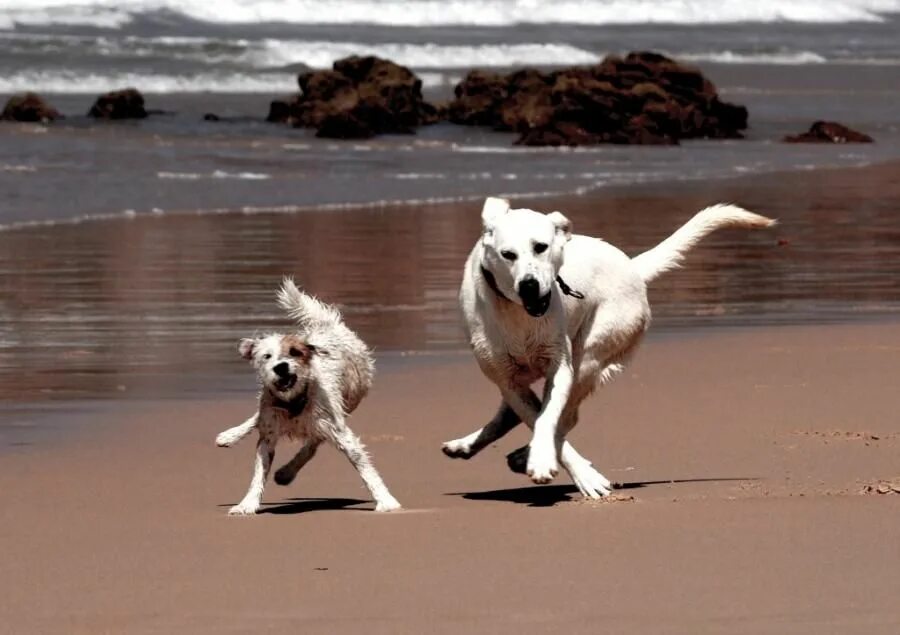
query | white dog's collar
[492, 284]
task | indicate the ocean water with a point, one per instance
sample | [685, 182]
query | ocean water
[789, 62]
[131, 250]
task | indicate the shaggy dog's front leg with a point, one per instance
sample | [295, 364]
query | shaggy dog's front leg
[229, 437]
[265, 452]
[332, 423]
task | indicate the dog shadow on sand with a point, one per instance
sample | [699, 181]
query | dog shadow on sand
[550, 495]
[304, 505]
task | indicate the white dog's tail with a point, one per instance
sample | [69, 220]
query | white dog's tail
[308, 311]
[668, 254]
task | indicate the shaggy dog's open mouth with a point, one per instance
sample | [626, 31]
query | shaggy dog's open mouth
[537, 308]
[283, 384]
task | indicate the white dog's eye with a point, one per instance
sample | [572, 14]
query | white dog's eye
[267, 356]
[540, 248]
[509, 255]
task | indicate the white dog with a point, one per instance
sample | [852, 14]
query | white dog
[538, 303]
[310, 381]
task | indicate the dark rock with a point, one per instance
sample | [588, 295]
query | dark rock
[211, 116]
[829, 132]
[345, 125]
[360, 97]
[29, 107]
[478, 96]
[644, 97]
[120, 104]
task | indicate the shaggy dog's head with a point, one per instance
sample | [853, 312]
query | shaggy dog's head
[282, 363]
[523, 251]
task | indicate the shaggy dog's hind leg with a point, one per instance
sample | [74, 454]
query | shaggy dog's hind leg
[287, 472]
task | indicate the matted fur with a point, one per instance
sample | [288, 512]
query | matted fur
[309, 382]
[522, 328]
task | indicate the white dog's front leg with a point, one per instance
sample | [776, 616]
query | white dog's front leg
[265, 452]
[542, 463]
[229, 437]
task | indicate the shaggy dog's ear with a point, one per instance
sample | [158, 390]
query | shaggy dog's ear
[562, 224]
[245, 348]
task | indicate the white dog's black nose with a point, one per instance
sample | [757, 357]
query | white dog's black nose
[529, 288]
[282, 369]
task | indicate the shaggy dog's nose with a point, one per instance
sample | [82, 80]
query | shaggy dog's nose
[282, 369]
[529, 289]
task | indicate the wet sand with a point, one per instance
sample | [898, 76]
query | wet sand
[123, 307]
[746, 452]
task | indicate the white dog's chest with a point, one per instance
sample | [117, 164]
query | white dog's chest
[528, 365]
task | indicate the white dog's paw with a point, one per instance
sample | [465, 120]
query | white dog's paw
[592, 484]
[243, 509]
[457, 449]
[542, 467]
[389, 504]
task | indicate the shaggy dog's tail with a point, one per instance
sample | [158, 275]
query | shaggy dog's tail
[308, 311]
[669, 254]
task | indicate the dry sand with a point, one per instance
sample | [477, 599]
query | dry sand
[746, 452]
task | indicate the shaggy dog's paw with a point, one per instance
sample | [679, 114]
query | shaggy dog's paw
[542, 467]
[242, 509]
[390, 504]
[457, 449]
[285, 475]
[224, 440]
[517, 460]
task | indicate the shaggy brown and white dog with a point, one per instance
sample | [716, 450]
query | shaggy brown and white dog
[310, 381]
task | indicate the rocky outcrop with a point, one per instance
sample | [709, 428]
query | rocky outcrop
[829, 132]
[642, 98]
[29, 107]
[120, 104]
[360, 97]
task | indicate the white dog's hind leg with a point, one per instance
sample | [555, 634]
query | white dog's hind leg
[265, 452]
[468, 446]
[287, 472]
[229, 437]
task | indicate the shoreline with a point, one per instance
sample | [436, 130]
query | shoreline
[599, 191]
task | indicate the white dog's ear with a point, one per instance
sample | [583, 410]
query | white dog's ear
[562, 224]
[245, 348]
[493, 209]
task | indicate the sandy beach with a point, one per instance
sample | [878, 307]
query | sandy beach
[744, 457]
[755, 439]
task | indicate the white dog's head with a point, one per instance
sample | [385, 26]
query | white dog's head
[282, 363]
[523, 251]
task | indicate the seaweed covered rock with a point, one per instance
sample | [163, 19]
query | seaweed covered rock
[829, 132]
[29, 107]
[643, 98]
[360, 97]
[119, 104]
